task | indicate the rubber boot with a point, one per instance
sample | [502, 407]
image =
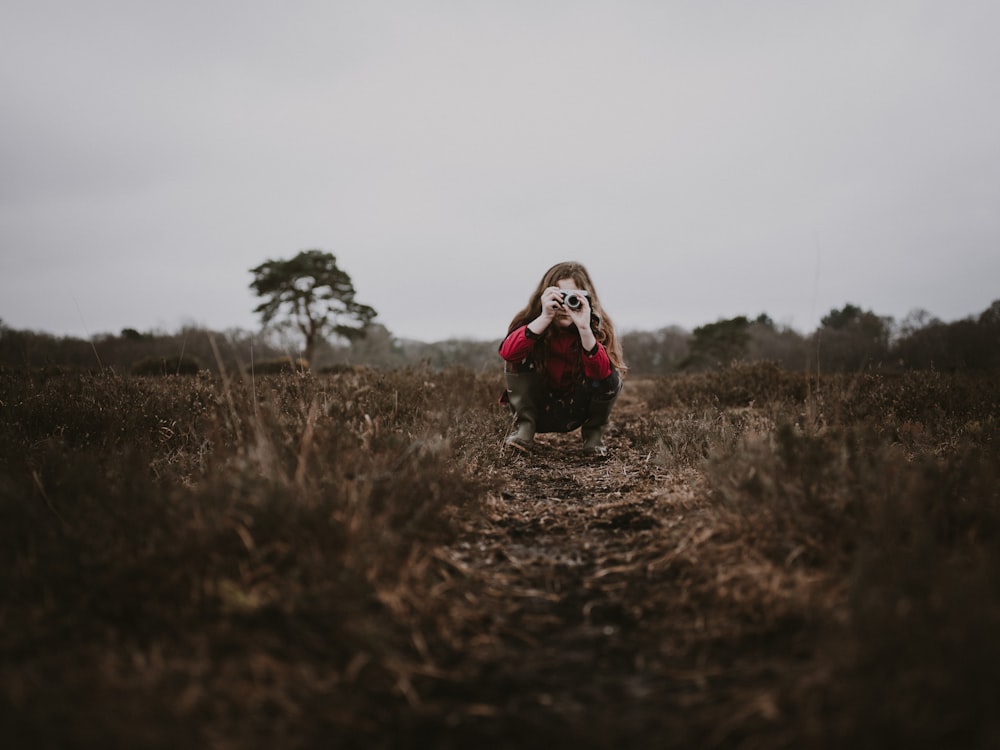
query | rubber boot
[593, 429]
[522, 403]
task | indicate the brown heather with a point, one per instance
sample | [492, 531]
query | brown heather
[767, 560]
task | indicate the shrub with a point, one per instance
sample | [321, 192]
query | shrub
[173, 550]
[185, 365]
[740, 384]
[280, 366]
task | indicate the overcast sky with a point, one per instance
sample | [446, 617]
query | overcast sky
[703, 159]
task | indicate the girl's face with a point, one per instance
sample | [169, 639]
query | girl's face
[562, 319]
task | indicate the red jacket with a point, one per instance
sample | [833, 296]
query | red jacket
[564, 352]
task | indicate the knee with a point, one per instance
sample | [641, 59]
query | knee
[524, 384]
[607, 389]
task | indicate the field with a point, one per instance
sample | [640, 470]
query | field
[765, 560]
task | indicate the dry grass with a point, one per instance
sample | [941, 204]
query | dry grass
[767, 560]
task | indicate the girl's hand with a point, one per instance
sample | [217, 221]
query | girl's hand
[581, 315]
[581, 319]
[551, 303]
[551, 307]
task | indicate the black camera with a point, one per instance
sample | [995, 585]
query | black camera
[572, 298]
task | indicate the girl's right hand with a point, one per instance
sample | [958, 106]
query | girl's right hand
[551, 302]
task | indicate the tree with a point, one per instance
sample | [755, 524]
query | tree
[657, 352]
[717, 344]
[311, 294]
[770, 342]
[378, 348]
[852, 338]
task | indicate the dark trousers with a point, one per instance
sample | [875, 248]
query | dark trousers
[555, 411]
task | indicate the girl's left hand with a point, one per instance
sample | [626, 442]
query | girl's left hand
[581, 316]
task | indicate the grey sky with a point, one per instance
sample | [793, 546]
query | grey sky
[704, 160]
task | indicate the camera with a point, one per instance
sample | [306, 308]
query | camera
[572, 298]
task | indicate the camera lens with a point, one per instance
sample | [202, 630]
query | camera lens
[572, 301]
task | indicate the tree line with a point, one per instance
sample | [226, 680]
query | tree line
[848, 339]
[310, 318]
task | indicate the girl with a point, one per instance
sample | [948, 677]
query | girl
[563, 362]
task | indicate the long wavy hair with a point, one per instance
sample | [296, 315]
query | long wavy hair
[600, 323]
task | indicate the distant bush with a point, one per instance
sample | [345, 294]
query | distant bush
[740, 384]
[340, 369]
[185, 365]
[280, 366]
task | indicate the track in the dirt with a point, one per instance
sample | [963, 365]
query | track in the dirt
[574, 628]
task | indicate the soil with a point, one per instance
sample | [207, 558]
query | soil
[605, 603]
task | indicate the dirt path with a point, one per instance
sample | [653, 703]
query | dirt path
[599, 625]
